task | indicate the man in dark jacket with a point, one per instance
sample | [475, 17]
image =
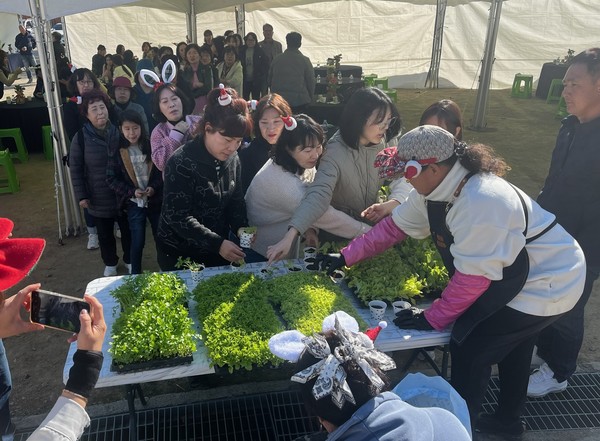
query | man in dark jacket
[98, 60]
[571, 193]
[25, 43]
[292, 75]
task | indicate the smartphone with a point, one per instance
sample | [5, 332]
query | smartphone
[57, 311]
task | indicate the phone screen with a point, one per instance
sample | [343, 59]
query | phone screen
[57, 311]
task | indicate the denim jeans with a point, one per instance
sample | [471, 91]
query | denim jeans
[137, 225]
[5, 388]
[28, 61]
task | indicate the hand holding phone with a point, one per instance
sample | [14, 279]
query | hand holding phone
[11, 323]
[93, 327]
[57, 311]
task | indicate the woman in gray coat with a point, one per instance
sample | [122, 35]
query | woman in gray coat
[90, 150]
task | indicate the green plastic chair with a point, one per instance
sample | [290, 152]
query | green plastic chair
[522, 86]
[22, 154]
[370, 80]
[11, 184]
[47, 142]
[381, 83]
[392, 94]
[555, 91]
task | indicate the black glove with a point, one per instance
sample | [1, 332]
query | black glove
[85, 372]
[412, 318]
[330, 262]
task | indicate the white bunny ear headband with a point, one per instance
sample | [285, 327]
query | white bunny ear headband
[354, 345]
[150, 78]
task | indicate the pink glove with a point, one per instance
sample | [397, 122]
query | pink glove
[460, 293]
[381, 237]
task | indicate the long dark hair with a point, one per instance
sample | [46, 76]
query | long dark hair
[448, 112]
[3, 56]
[232, 120]
[144, 141]
[477, 158]
[306, 133]
[361, 105]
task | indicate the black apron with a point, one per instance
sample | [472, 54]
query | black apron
[500, 292]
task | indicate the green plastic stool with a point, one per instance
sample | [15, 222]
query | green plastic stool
[562, 111]
[392, 94]
[47, 142]
[522, 86]
[381, 83]
[555, 91]
[11, 184]
[22, 154]
[370, 80]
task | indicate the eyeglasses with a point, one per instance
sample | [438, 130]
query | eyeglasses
[386, 124]
[85, 82]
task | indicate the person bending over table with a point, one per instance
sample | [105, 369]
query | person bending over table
[346, 178]
[67, 419]
[513, 270]
[445, 114]
[277, 189]
[203, 201]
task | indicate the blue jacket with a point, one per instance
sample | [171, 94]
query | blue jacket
[387, 418]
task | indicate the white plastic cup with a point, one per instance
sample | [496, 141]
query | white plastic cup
[337, 276]
[310, 252]
[400, 305]
[310, 263]
[377, 308]
[246, 239]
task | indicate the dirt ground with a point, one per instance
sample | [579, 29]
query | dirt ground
[523, 131]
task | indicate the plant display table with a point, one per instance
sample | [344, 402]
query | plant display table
[390, 339]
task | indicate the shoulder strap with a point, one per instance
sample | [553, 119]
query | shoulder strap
[525, 211]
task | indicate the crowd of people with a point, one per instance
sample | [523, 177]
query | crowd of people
[160, 139]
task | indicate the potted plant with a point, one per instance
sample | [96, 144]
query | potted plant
[267, 272]
[237, 266]
[194, 268]
[292, 267]
[20, 97]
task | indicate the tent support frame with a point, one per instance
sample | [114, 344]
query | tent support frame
[432, 80]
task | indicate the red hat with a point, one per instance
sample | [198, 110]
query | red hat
[121, 82]
[372, 333]
[17, 256]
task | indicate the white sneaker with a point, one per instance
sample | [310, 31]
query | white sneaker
[128, 266]
[110, 271]
[536, 360]
[542, 382]
[93, 243]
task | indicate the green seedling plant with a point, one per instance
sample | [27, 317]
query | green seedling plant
[154, 322]
[189, 264]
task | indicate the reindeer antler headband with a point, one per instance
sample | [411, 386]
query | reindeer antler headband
[151, 79]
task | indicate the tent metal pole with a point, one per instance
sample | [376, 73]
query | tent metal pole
[478, 122]
[66, 38]
[240, 19]
[193, 29]
[50, 78]
[433, 75]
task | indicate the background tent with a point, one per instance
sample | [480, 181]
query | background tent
[391, 38]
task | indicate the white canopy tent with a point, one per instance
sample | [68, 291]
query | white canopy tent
[393, 38]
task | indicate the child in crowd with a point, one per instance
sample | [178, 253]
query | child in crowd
[137, 183]
[122, 93]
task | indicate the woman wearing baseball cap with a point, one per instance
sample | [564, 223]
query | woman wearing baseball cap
[68, 417]
[513, 270]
